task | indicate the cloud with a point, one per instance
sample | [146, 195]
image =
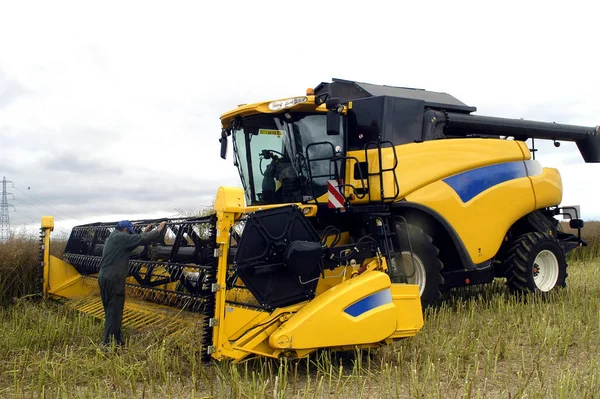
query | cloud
[75, 163]
[10, 90]
[106, 113]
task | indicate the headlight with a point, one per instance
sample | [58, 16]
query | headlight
[290, 102]
[533, 167]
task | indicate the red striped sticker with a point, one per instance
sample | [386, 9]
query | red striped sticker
[335, 198]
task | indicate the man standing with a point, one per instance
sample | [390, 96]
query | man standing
[114, 268]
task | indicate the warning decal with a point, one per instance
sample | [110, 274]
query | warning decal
[335, 199]
[271, 132]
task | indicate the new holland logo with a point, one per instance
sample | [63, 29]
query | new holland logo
[335, 199]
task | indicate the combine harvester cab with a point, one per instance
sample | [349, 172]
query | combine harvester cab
[459, 198]
[260, 283]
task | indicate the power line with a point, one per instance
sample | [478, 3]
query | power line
[28, 215]
[42, 213]
[34, 219]
[49, 206]
[21, 218]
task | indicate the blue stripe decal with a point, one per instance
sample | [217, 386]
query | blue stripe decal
[473, 182]
[371, 302]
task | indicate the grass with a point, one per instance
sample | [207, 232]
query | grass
[481, 342]
[19, 258]
[591, 234]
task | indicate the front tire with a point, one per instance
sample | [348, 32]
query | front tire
[535, 263]
[421, 267]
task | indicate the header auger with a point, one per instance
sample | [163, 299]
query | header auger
[260, 283]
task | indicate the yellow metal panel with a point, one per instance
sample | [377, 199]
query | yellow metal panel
[420, 164]
[482, 222]
[263, 107]
[229, 199]
[372, 182]
[408, 305]
[225, 220]
[239, 320]
[247, 331]
[48, 222]
[46, 260]
[220, 296]
[229, 204]
[333, 278]
[327, 314]
[256, 342]
[548, 188]
[64, 281]
[524, 149]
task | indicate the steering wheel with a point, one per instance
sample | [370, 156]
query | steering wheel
[268, 154]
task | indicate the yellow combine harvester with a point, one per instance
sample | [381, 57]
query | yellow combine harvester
[360, 205]
[460, 196]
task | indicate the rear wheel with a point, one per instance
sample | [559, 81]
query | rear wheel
[535, 263]
[421, 266]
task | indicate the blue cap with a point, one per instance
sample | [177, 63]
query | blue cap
[127, 225]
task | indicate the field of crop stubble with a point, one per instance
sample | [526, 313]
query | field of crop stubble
[481, 342]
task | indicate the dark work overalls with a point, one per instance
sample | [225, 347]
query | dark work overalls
[114, 268]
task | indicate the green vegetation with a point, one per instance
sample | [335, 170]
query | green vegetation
[19, 260]
[481, 342]
[591, 234]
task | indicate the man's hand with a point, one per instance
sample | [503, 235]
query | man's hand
[161, 226]
[149, 227]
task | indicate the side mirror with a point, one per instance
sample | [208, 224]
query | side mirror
[223, 141]
[576, 223]
[333, 116]
[333, 123]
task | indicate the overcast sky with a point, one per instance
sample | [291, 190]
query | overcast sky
[111, 110]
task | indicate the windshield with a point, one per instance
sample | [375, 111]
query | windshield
[276, 154]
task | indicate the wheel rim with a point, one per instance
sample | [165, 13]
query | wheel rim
[545, 270]
[417, 275]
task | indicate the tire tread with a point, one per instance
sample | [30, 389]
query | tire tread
[517, 259]
[436, 264]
